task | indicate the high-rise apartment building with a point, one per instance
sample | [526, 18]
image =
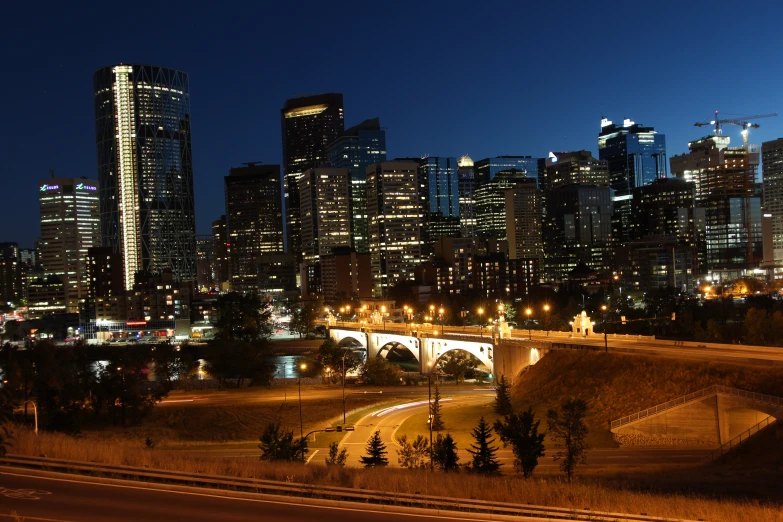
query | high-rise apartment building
[466, 186]
[528, 167]
[254, 221]
[772, 181]
[70, 225]
[726, 187]
[569, 168]
[635, 156]
[356, 149]
[309, 125]
[523, 211]
[145, 169]
[394, 221]
[439, 199]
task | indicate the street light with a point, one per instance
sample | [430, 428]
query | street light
[302, 367]
[528, 312]
[603, 319]
[546, 309]
[429, 402]
[35, 414]
[480, 313]
[440, 313]
[383, 314]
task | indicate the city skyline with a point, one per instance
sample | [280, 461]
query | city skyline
[237, 121]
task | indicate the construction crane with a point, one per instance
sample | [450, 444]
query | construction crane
[741, 121]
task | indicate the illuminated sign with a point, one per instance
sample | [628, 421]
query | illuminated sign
[44, 188]
[82, 186]
[136, 323]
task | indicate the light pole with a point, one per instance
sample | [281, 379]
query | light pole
[35, 414]
[383, 315]
[342, 312]
[480, 313]
[528, 312]
[546, 309]
[302, 367]
[603, 320]
[429, 402]
[440, 314]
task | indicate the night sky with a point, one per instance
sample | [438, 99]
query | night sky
[445, 78]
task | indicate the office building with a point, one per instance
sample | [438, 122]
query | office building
[490, 197]
[46, 296]
[70, 225]
[726, 187]
[523, 212]
[509, 167]
[205, 263]
[345, 275]
[466, 186]
[254, 221]
[105, 275]
[569, 168]
[658, 262]
[277, 276]
[356, 149]
[220, 254]
[12, 280]
[455, 256]
[145, 169]
[309, 125]
[772, 182]
[439, 199]
[635, 156]
[394, 219]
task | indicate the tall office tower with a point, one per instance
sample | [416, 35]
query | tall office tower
[220, 254]
[635, 156]
[726, 188]
[523, 210]
[439, 199]
[254, 221]
[577, 229]
[568, 168]
[28, 256]
[70, 224]
[324, 199]
[12, 274]
[145, 169]
[665, 207]
[772, 181]
[356, 149]
[491, 207]
[509, 166]
[309, 125]
[205, 262]
[466, 185]
[394, 220]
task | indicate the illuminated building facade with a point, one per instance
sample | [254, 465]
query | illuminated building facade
[569, 168]
[309, 125]
[356, 149]
[772, 181]
[394, 221]
[254, 221]
[12, 274]
[220, 253]
[635, 156]
[466, 186]
[492, 205]
[509, 167]
[145, 169]
[523, 212]
[439, 199]
[70, 225]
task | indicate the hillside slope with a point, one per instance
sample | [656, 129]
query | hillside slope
[614, 385]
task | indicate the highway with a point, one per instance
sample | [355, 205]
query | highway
[81, 499]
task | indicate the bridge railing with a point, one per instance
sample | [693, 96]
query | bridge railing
[739, 439]
[711, 390]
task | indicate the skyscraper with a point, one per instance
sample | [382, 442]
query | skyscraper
[394, 220]
[569, 168]
[356, 149]
[635, 156]
[772, 180]
[220, 253]
[254, 221]
[466, 185]
[309, 125]
[145, 169]
[524, 206]
[70, 225]
[509, 166]
[439, 199]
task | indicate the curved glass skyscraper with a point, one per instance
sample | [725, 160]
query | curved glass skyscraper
[145, 171]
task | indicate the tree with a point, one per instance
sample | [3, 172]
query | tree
[233, 358]
[378, 371]
[484, 459]
[279, 444]
[123, 391]
[337, 456]
[330, 355]
[520, 431]
[242, 317]
[444, 453]
[413, 455]
[376, 452]
[303, 317]
[503, 397]
[568, 426]
[457, 363]
[435, 417]
[6, 411]
[170, 363]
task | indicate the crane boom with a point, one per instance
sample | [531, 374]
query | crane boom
[740, 121]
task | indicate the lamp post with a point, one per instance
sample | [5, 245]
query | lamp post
[480, 313]
[383, 315]
[603, 320]
[35, 414]
[342, 318]
[302, 367]
[344, 354]
[429, 402]
[440, 314]
[546, 309]
[528, 313]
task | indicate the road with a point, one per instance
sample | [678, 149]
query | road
[79, 499]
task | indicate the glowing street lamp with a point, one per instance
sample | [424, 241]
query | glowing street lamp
[480, 313]
[440, 314]
[383, 314]
[528, 313]
[603, 319]
[302, 367]
[546, 309]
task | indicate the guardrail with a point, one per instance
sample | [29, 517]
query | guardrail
[270, 487]
[739, 439]
[711, 390]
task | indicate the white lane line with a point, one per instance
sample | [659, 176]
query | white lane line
[311, 457]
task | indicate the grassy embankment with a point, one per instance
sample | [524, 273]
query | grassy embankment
[616, 497]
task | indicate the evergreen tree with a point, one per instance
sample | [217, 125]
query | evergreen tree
[337, 456]
[527, 444]
[484, 459]
[279, 444]
[376, 452]
[413, 455]
[503, 398]
[435, 416]
[444, 453]
[568, 426]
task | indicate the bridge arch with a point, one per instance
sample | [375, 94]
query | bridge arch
[387, 348]
[483, 351]
[348, 337]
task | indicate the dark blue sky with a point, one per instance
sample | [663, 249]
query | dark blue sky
[482, 78]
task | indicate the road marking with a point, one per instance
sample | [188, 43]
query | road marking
[24, 494]
[17, 516]
[311, 457]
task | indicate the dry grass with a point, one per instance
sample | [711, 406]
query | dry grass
[615, 385]
[616, 497]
